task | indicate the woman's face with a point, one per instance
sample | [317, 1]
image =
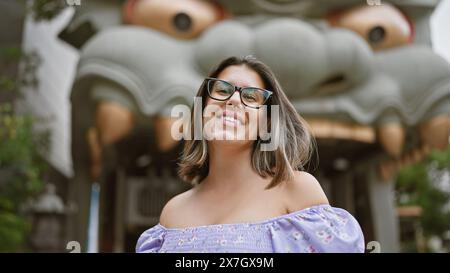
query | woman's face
[231, 119]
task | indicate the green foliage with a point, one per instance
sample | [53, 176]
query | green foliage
[20, 175]
[417, 185]
[441, 158]
[19, 155]
[46, 9]
[13, 231]
[10, 57]
[21, 167]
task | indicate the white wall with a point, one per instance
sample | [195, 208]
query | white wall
[51, 99]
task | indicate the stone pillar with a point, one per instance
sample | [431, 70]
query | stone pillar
[383, 208]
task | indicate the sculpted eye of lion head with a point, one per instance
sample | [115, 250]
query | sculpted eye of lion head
[382, 27]
[184, 19]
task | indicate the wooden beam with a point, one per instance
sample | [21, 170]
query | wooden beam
[323, 128]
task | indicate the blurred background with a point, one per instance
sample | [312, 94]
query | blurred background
[87, 88]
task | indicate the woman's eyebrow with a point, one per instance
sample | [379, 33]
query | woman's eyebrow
[245, 85]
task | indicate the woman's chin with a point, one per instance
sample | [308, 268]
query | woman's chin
[228, 136]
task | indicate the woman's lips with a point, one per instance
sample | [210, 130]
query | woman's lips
[231, 121]
[232, 118]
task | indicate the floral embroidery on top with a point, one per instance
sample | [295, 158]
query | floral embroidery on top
[320, 228]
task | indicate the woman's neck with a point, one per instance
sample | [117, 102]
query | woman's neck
[230, 168]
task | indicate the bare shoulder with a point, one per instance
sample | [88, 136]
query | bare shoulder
[172, 211]
[303, 191]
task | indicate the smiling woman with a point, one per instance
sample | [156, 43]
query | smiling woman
[245, 198]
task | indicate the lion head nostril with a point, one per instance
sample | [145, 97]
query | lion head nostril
[377, 34]
[332, 84]
[335, 79]
[182, 21]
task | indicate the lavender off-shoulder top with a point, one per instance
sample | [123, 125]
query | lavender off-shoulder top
[320, 228]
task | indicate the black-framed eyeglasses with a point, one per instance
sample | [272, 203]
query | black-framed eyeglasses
[252, 97]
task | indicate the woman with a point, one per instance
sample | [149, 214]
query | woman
[245, 198]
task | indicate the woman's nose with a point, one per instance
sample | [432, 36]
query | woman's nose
[235, 99]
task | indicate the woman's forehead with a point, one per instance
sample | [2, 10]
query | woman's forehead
[241, 76]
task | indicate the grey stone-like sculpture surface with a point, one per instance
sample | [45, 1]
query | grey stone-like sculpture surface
[406, 84]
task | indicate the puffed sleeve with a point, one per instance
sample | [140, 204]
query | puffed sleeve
[317, 229]
[151, 240]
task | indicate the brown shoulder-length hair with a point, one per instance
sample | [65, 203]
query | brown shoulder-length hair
[295, 143]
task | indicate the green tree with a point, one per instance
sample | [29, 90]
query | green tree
[418, 185]
[21, 170]
[21, 167]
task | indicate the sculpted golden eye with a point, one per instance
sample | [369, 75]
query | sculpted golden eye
[382, 27]
[184, 19]
[376, 34]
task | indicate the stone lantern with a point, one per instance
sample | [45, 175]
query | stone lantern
[48, 218]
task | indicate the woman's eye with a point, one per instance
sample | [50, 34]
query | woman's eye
[223, 91]
[381, 26]
[249, 97]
